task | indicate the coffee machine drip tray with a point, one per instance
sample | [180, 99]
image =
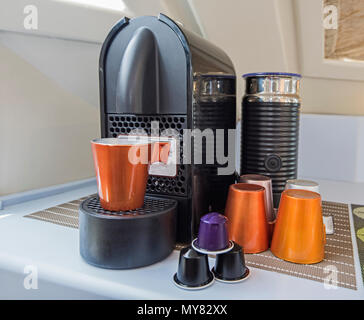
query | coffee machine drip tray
[130, 239]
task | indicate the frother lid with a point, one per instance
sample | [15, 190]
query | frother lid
[217, 75]
[267, 74]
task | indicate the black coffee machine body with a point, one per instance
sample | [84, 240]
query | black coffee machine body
[152, 69]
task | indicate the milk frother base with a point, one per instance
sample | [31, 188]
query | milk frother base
[130, 239]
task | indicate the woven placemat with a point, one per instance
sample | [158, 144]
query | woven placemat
[338, 249]
[358, 218]
[65, 214]
[339, 257]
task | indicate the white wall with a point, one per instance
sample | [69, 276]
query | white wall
[49, 105]
[48, 112]
[49, 82]
[257, 35]
[331, 147]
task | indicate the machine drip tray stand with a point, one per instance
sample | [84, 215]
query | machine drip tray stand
[130, 239]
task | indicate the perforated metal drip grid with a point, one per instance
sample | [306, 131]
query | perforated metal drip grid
[151, 205]
[125, 123]
[66, 214]
[168, 125]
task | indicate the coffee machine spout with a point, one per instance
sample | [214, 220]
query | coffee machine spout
[137, 82]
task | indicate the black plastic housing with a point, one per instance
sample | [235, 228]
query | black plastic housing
[269, 142]
[148, 70]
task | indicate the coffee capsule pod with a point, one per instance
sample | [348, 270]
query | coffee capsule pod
[193, 270]
[247, 220]
[230, 266]
[303, 185]
[265, 182]
[299, 232]
[212, 235]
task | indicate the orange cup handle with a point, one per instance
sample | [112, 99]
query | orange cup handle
[160, 152]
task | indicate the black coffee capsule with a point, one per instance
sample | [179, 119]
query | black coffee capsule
[193, 270]
[230, 266]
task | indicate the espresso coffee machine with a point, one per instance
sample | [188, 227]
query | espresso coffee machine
[152, 69]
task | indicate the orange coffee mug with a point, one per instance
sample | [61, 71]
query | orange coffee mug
[121, 166]
[299, 232]
[247, 221]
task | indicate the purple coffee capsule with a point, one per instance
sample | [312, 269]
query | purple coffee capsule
[212, 234]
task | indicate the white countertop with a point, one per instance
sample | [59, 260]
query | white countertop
[62, 273]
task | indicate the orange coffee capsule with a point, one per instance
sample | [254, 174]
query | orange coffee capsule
[247, 221]
[299, 233]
